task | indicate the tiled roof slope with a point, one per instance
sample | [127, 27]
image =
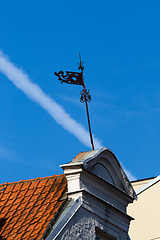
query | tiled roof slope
[27, 207]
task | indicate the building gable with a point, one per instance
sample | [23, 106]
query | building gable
[105, 165]
[100, 193]
[91, 196]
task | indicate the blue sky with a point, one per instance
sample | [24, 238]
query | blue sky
[119, 42]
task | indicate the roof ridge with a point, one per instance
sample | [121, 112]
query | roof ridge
[28, 180]
[147, 185]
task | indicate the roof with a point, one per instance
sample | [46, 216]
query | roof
[31, 209]
[148, 185]
[137, 184]
[27, 207]
[82, 156]
[143, 179]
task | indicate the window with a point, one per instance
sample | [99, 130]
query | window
[101, 235]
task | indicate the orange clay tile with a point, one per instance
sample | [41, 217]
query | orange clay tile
[27, 207]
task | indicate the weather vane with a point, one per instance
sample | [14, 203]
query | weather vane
[78, 79]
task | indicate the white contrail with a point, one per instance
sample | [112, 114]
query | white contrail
[130, 176]
[21, 80]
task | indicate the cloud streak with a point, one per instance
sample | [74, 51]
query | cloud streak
[130, 176]
[22, 81]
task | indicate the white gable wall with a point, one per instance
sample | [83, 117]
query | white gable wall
[105, 191]
[96, 214]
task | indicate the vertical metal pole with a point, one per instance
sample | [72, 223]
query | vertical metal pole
[89, 125]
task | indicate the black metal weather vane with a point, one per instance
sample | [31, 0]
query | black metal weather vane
[70, 77]
[78, 79]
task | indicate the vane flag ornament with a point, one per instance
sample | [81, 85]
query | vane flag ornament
[78, 79]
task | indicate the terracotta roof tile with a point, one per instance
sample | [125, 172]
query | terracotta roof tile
[27, 207]
[25, 185]
[17, 187]
[34, 184]
[18, 236]
[8, 188]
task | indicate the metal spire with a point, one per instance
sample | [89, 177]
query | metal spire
[78, 79]
[85, 97]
